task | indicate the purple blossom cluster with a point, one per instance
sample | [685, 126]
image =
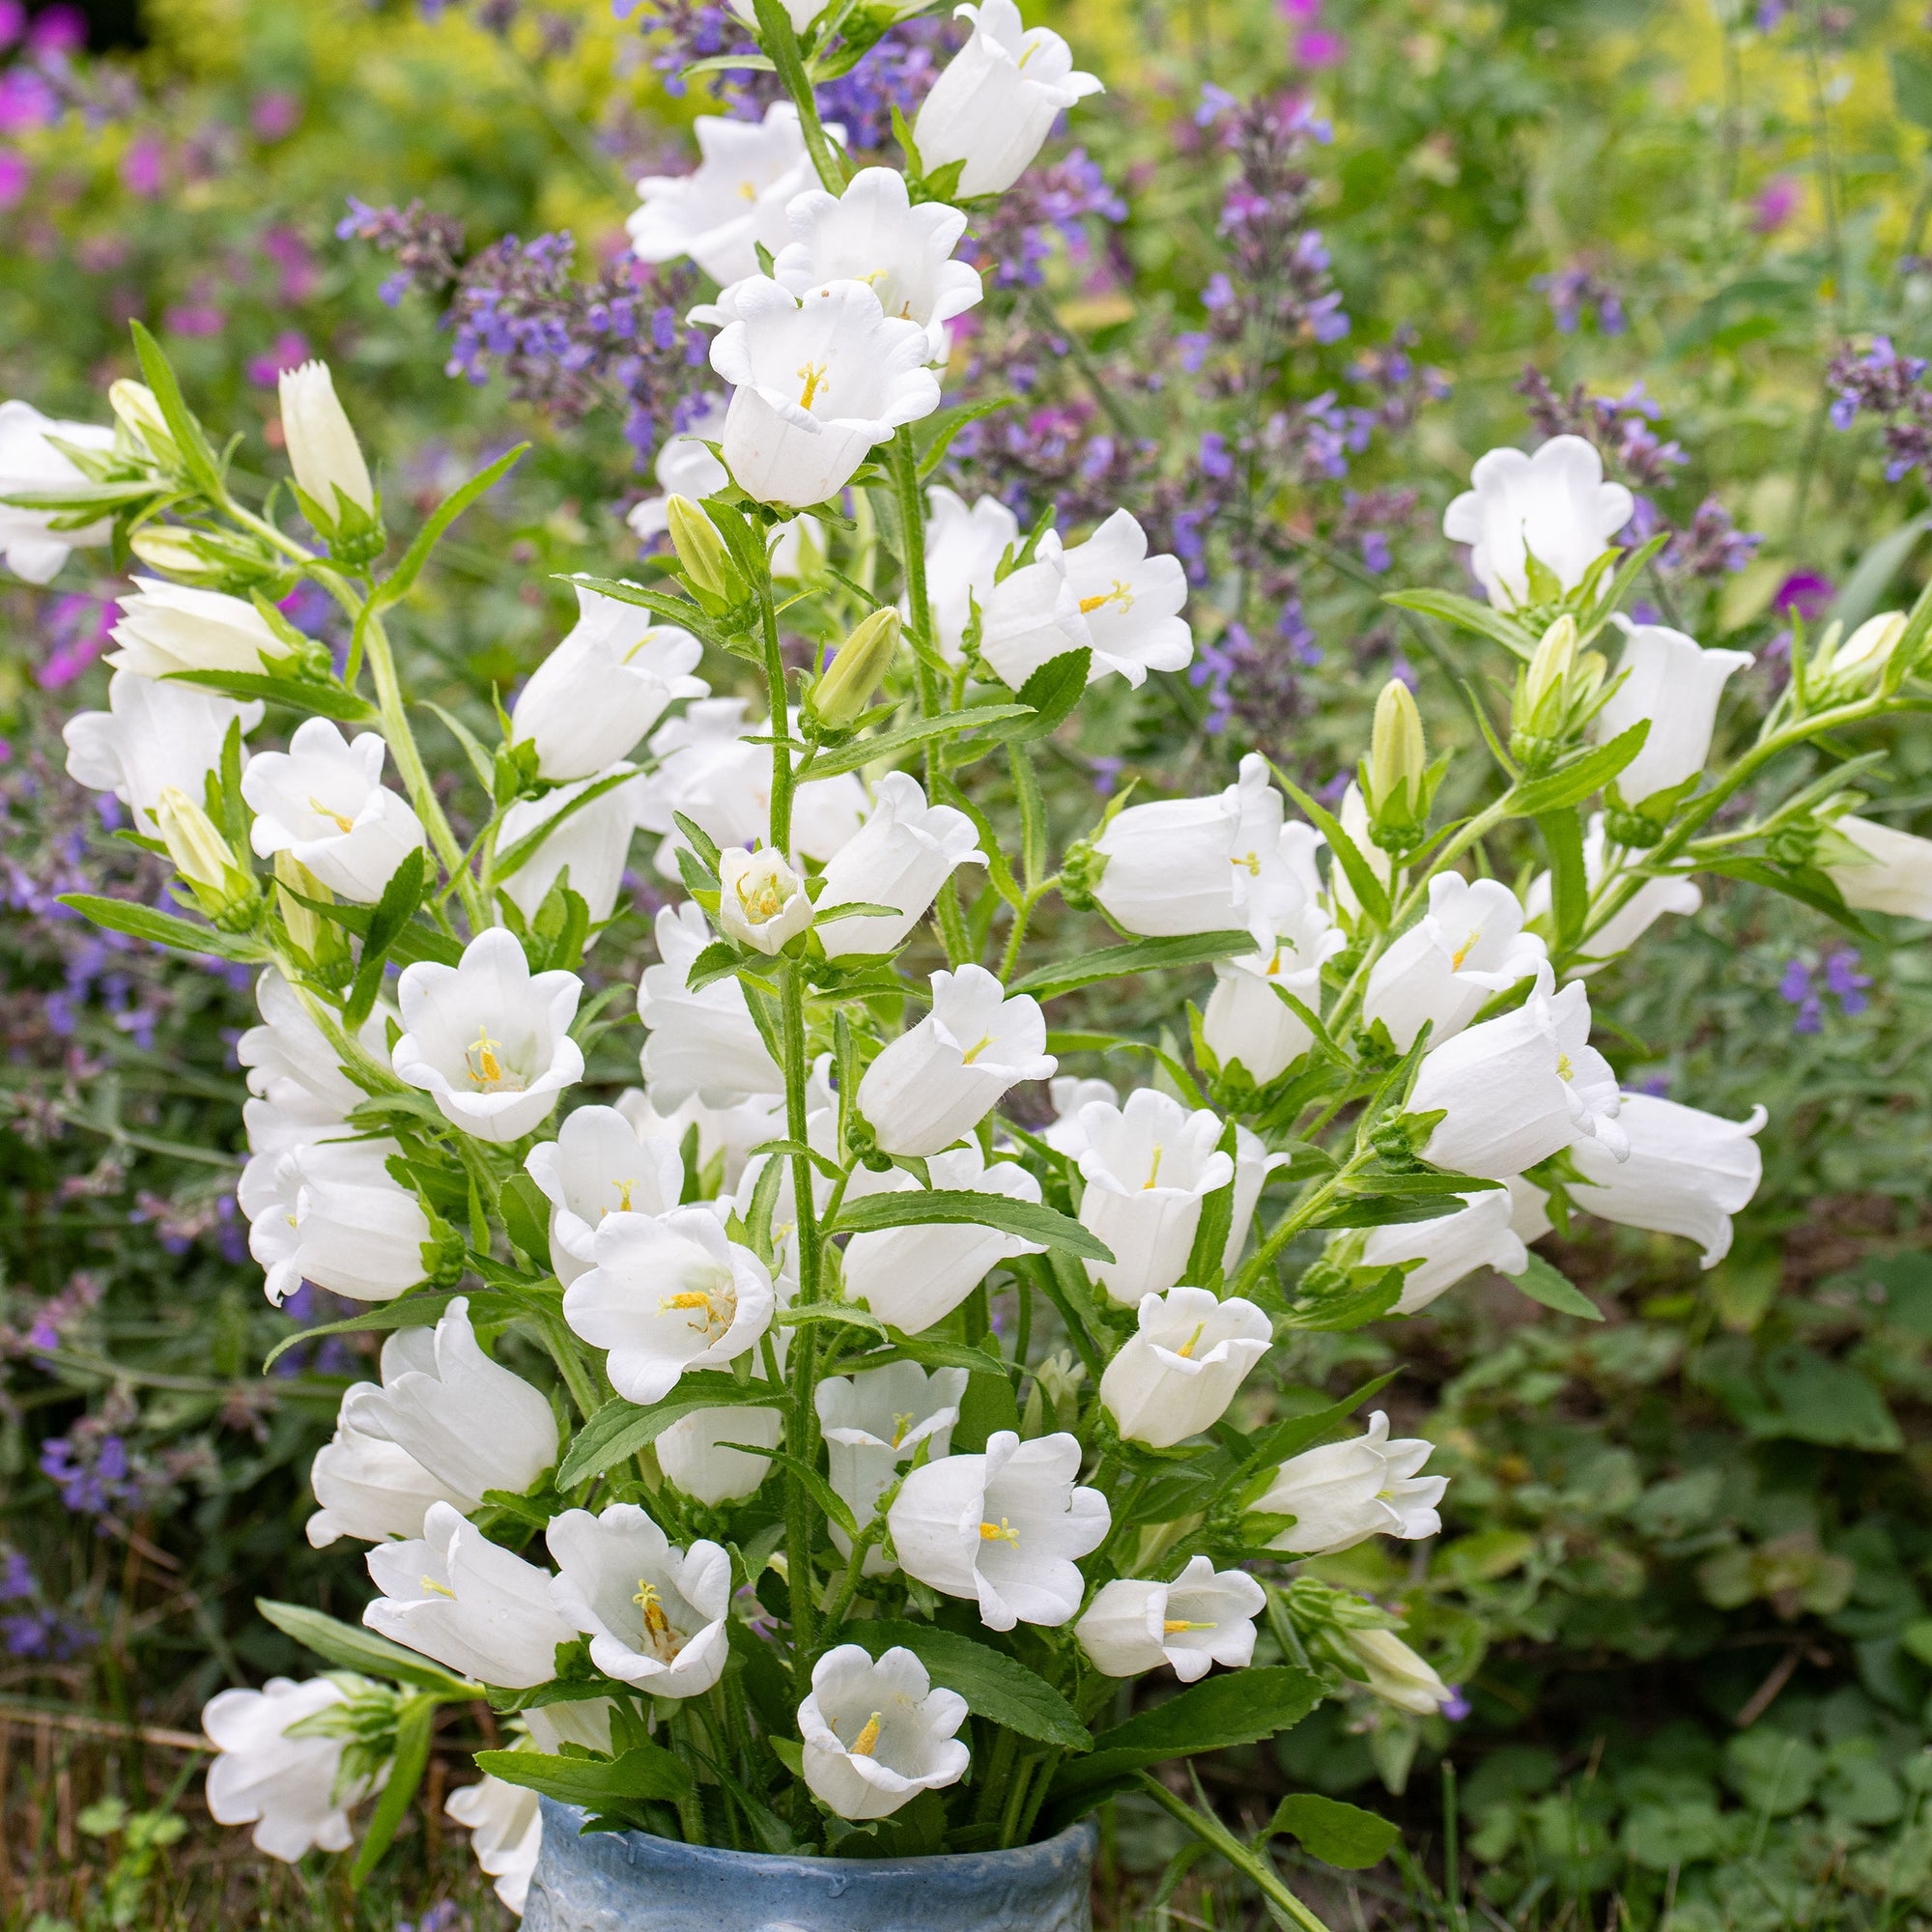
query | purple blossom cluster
[1806, 987]
[681, 33]
[556, 33]
[1012, 242]
[1880, 381]
[46, 1326]
[1578, 290]
[30, 1629]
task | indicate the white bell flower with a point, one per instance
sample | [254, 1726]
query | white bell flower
[289, 1046]
[1603, 862]
[1147, 1168]
[873, 1424]
[1205, 1617]
[30, 465]
[1069, 1095]
[1179, 1371]
[1673, 683]
[468, 1421]
[916, 1275]
[902, 856]
[468, 1603]
[1005, 1527]
[1895, 874]
[328, 1211]
[1254, 1162]
[1517, 1087]
[1689, 1172]
[747, 174]
[1466, 948]
[1130, 601]
[1344, 1492]
[877, 1734]
[166, 628]
[1553, 506]
[151, 737]
[370, 1489]
[822, 1136]
[654, 1613]
[693, 1452]
[963, 548]
[667, 1292]
[1530, 1210]
[1245, 1021]
[1031, 616]
[594, 843]
[322, 445]
[286, 1118]
[762, 902]
[600, 1164]
[704, 1044]
[591, 701]
[1396, 1674]
[284, 1786]
[940, 1079]
[1477, 1234]
[817, 381]
[998, 99]
[486, 1039]
[324, 802]
[506, 1826]
[725, 1135]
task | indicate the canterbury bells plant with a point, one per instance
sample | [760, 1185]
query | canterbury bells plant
[798, 1451]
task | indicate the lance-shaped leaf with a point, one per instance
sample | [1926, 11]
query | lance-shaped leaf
[1466, 615]
[1027, 1219]
[621, 1428]
[1555, 1290]
[1141, 955]
[415, 1723]
[362, 1650]
[645, 1771]
[162, 928]
[327, 700]
[1572, 782]
[996, 1686]
[829, 760]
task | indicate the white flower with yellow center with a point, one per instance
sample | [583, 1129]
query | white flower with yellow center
[877, 1734]
[1469, 946]
[1344, 1492]
[873, 1424]
[1177, 1374]
[599, 1164]
[761, 901]
[1202, 1618]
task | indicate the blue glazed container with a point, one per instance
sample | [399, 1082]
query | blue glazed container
[630, 1882]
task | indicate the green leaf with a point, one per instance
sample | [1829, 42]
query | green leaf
[393, 912]
[197, 458]
[1141, 955]
[1466, 615]
[839, 1313]
[678, 610]
[1911, 85]
[1554, 1290]
[1337, 1833]
[526, 1216]
[415, 1723]
[995, 1686]
[621, 1428]
[326, 700]
[1569, 884]
[822, 1492]
[923, 1207]
[162, 928]
[937, 1352]
[1370, 892]
[728, 63]
[1572, 782]
[397, 584]
[1049, 695]
[509, 862]
[1295, 1432]
[831, 760]
[598, 1784]
[933, 436]
[362, 1650]
[480, 761]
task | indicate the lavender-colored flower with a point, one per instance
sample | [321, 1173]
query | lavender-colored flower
[1804, 594]
[1882, 383]
[1573, 290]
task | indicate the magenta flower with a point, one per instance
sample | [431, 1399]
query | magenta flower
[195, 319]
[274, 116]
[1318, 48]
[1775, 204]
[141, 167]
[289, 350]
[27, 101]
[13, 21]
[1804, 594]
[59, 30]
[14, 172]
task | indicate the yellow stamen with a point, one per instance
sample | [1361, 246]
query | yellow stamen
[763, 901]
[321, 810]
[440, 1589]
[1463, 952]
[664, 1641]
[1173, 1627]
[902, 1424]
[974, 1051]
[624, 1189]
[1274, 963]
[867, 1739]
[1187, 1350]
[1153, 1172]
[719, 1309]
[1000, 1532]
[485, 1068]
[1564, 1069]
[1121, 594]
[747, 191]
[813, 376]
[1249, 862]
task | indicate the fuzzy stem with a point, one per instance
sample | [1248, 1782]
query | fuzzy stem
[802, 1434]
[781, 44]
[780, 717]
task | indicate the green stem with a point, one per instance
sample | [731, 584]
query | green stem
[1211, 1831]
[1017, 1790]
[781, 718]
[992, 1786]
[781, 44]
[1293, 1223]
[802, 1434]
[563, 1346]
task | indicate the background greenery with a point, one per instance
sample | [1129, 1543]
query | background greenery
[1684, 1574]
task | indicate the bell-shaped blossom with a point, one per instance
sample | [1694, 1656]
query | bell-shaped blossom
[1893, 874]
[762, 901]
[329, 1211]
[877, 1734]
[904, 852]
[873, 1424]
[321, 442]
[1477, 1234]
[725, 1135]
[30, 465]
[1344, 1492]
[486, 1039]
[1555, 506]
[582, 1720]
[1031, 616]
[289, 1118]
[916, 1275]
[151, 737]
[506, 1826]
[468, 1603]
[1206, 865]
[468, 1421]
[1005, 1527]
[654, 1613]
[667, 1292]
[817, 381]
[998, 99]
[1469, 946]
[286, 1787]
[289, 1047]
[1179, 1371]
[591, 701]
[1517, 1089]
[1672, 683]
[593, 843]
[1603, 861]
[166, 628]
[963, 548]
[324, 802]
[1205, 1617]
[370, 1489]
[942, 1078]
[1069, 1093]
[1254, 1162]
[704, 1044]
[1530, 1210]
[694, 1452]
[747, 174]
[1396, 1674]
[600, 1164]
[1245, 1019]
[1689, 1172]
[1147, 1167]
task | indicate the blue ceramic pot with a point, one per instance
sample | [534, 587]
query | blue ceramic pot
[631, 1882]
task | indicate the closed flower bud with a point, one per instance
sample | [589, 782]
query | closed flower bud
[1551, 667]
[854, 677]
[322, 450]
[1864, 654]
[1398, 756]
[225, 889]
[701, 550]
[135, 405]
[305, 928]
[165, 548]
[1396, 1674]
